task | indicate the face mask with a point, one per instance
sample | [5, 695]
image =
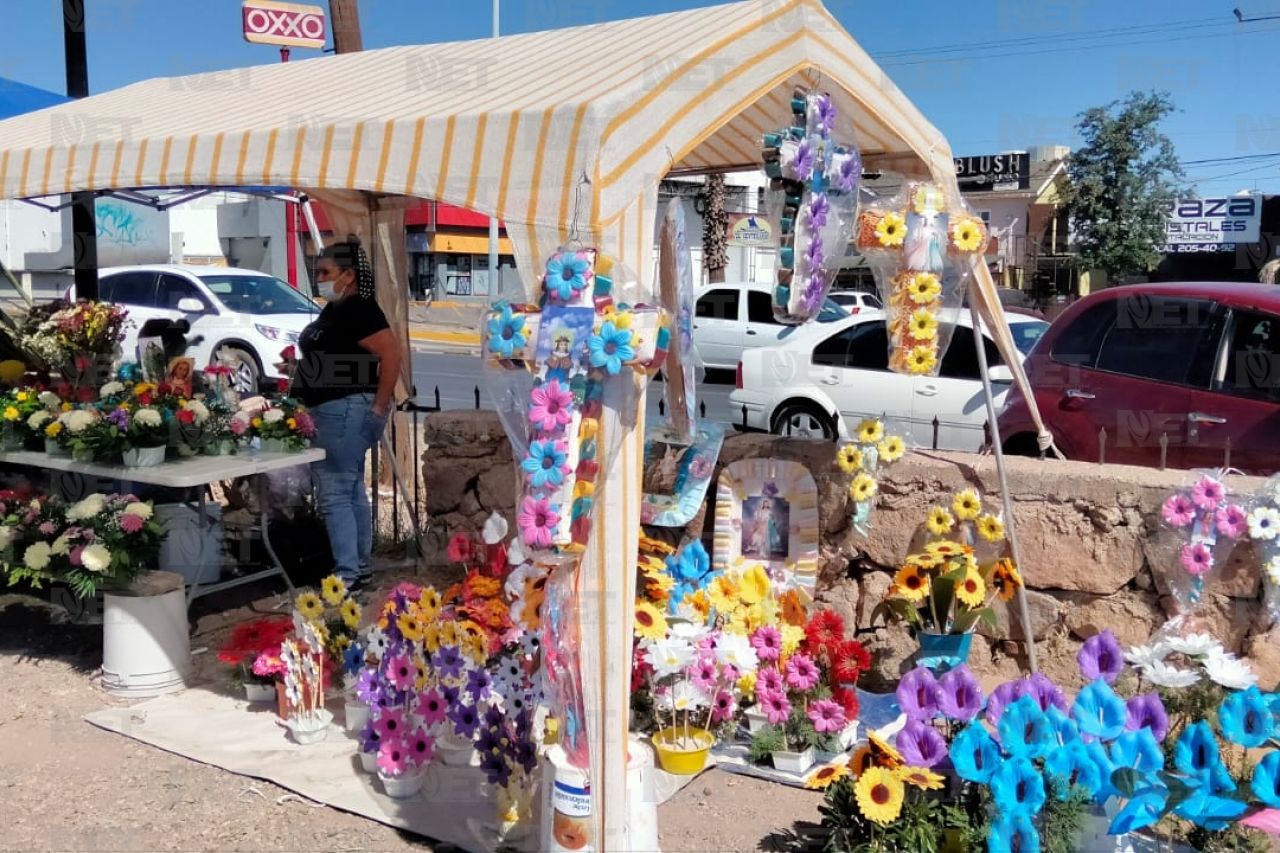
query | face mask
[328, 291]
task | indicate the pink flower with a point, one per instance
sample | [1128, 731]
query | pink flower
[431, 707]
[827, 716]
[1231, 521]
[700, 468]
[393, 756]
[306, 425]
[1178, 510]
[1196, 559]
[1208, 493]
[704, 675]
[648, 513]
[390, 724]
[537, 519]
[47, 528]
[769, 680]
[723, 707]
[239, 426]
[802, 672]
[767, 641]
[401, 672]
[421, 746]
[76, 552]
[775, 707]
[130, 523]
[550, 406]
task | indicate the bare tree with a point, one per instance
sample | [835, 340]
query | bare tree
[715, 225]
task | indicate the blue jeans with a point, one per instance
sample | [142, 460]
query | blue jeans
[346, 429]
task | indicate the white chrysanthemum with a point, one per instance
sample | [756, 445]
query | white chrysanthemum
[61, 545]
[684, 696]
[1193, 645]
[1264, 524]
[148, 417]
[1229, 671]
[139, 508]
[37, 420]
[111, 389]
[6, 536]
[1164, 675]
[78, 420]
[669, 656]
[272, 416]
[96, 558]
[37, 556]
[1272, 568]
[87, 508]
[735, 650]
[1144, 656]
[49, 399]
[199, 410]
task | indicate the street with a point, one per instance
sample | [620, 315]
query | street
[457, 377]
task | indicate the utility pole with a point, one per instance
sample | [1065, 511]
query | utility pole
[84, 226]
[344, 16]
[495, 279]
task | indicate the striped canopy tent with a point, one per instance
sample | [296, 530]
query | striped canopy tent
[559, 133]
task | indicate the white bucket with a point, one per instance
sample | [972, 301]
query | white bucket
[191, 547]
[146, 650]
[567, 804]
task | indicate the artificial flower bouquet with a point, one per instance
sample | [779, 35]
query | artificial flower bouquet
[283, 426]
[17, 407]
[334, 617]
[1205, 519]
[862, 459]
[1264, 530]
[304, 659]
[78, 339]
[254, 641]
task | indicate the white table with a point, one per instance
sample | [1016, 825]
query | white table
[191, 473]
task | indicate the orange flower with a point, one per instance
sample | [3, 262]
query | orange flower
[793, 612]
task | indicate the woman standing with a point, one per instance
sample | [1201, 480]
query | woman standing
[346, 375]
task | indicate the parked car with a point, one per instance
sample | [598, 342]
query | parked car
[856, 301]
[241, 316]
[799, 386]
[1198, 363]
[732, 317]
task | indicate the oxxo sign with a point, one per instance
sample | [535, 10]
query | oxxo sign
[1213, 224]
[285, 24]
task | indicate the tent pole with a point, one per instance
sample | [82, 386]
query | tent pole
[1024, 612]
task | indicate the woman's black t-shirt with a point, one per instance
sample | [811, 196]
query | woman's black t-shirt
[331, 362]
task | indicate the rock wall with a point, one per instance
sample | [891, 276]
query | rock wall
[1091, 555]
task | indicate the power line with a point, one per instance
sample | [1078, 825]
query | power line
[1137, 29]
[1216, 160]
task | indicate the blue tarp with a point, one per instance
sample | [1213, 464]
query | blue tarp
[18, 98]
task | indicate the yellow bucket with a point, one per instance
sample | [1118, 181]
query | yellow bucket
[682, 760]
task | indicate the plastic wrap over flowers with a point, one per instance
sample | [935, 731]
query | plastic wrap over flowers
[815, 171]
[675, 279]
[1205, 520]
[1264, 529]
[861, 459]
[920, 248]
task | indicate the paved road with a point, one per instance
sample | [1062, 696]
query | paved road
[457, 377]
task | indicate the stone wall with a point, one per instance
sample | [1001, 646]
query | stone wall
[1087, 532]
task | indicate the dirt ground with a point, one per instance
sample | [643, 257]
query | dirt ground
[68, 786]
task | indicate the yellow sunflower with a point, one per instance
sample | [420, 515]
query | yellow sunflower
[892, 229]
[924, 326]
[310, 606]
[333, 590]
[1006, 580]
[862, 760]
[448, 634]
[891, 449]
[923, 288]
[921, 359]
[351, 613]
[913, 584]
[921, 777]
[967, 234]
[821, 779]
[723, 592]
[967, 505]
[849, 458]
[650, 624]
[870, 431]
[991, 528]
[944, 549]
[411, 627]
[885, 754]
[925, 560]
[879, 793]
[431, 638]
[971, 590]
[429, 604]
[863, 488]
[940, 521]
[755, 584]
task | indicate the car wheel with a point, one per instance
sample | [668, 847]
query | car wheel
[1021, 445]
[803, 420]
[245, 375]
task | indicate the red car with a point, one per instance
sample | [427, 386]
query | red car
[1197, 362]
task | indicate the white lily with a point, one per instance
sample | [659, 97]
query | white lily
[1163, 675]
[1229, 671]
[1193, 645]
[1144, 656]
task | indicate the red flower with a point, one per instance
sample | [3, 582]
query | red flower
[461, 549]
[85, 395]
[164, 389]
[288, 353]
[848, 699]
[640, 669]
[824, 634]
[282, 385]
[587, 469]
[186, 416]
[851, 660]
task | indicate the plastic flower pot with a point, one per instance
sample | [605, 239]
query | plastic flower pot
[456, 752]
[402, 787]
[682, 751]
[83, 455]
[146, 646]
[848, 736]
[943, 652]
[355, 715]
[792, 762]
[274, 445]
[52, 448]
[310, 728]
[256, 692]
[756, 720]
[11, 441]
[369, 762]
[143, 457]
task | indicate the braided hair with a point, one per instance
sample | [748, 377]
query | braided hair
[348, 254]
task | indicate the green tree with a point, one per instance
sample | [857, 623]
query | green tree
[1120, 183]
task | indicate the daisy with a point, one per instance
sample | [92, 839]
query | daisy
[1178, 510]
[1229, 671]
[1230, 521]
[870, 431]
[1264, 523]
[1196, 558]
[802, 673]
[913, 584]
[923, 288]
[967, 505]
[824, 776]
[990, 528]
[1162, 674]
[920, 360]
[1208, 493]
[849, 458]
[923, 325]
[891, 449]
[892, 230]
[940, 521]
[769, 680]
[767, 641]
[863, 488]
[826, 716]
[971, 590]
[1193, 645]
[1145, 656]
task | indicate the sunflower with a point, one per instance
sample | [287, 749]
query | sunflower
[650, 624]
[431, 638]
[879, 794]
[723, 592]
[884, 752]
[966, 505]
[891, 449]
[892, 229]
[940, 521]
[913, 584]
[923, 288]
[351, 613]
[921, 359]
[822, 778]
[429, 604]
[755, 584]
[655, 546]
[967, 234]
[310, 606]
[863, 488]
[944, 549]
[333, 589]
[925, 560]
[924, 326]
[863, 759]
[448, 634]
[971, 590]
[849, 458]
[921, 777]
[990, 528]
[1005, 580]
[870, 431]
[410, 627]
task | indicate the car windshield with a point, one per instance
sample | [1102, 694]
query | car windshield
[831, 311]
[258, 294]
[1025, 335]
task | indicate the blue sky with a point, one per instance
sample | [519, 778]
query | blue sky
[992, 75]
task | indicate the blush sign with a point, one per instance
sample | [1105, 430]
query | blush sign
[285, 24]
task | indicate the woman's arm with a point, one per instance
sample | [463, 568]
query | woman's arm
[383, 344]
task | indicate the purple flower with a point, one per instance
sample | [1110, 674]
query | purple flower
[770, 489]
[489, 742]
[465, 720]
[369, 739]
[802, 165]
[918, 694]
[493, 717]
[526, 755]
[1001, 696]
[849, 172]
[813, 254]
[1047, 694]
[1101, 657]
[120, 418]
[367, 687]
[480, 684]
[1146, 710]
[959, 694]
[448, 661]
[920, 744]
[824, 117]
[495, 769]
[817, 211]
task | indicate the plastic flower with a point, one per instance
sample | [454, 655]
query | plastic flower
[506, 332]
[1024, 730]
[990, 528]
[95, 558]
[611, 348]
[650, 623]
[1196, 750]
[967, 505]
[1264, 523]
[1006, 580]
[537, 520]
[922, 326]
[824, 776]
[817, 211]
[1146, 711]
[959, 695]
[767, 641]
[1178, 510]
[1205, 809]
[1245, 718]
[923, 288]
[879, 794]
[920, 744]
[850, 661]
[1266, 780]
[971, 590]
[1162, 674]
[566, 276]
[351, 613]
[921, 359]
[1139, 750]
[917, 694]
[754, 587]
[1041, 688]
[389, 723]
[545, 463]
[920, 777]
[849, 458]
[1228, 671]
[912, 583]
[310, 606]
[891, 230]
[1144, 808]
[769, 680]
[550, 404]
[1017, 788]
[863, 488]
[827, 716]
[1231, 521]
[1196, 558]
[1070, 764]
[870, 431]
[1101, 657]
[940, 521]
[891, 449]
[723, 707]
[1208, 493]
[1013, 832]
[775, 707]
[966, 234]
[1098, 711]
[393, 756]
[802, 673]
[974, 754]
[333, 590]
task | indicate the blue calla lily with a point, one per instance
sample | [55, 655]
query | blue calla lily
[1063, 727]
[974, 754]
[1205, 808]
[1013, 832]
[1143, 810]
[1071, 765]
[1098, 711]
[1017, 787]
[1245, 717]
[1098, 753]
[1139, 750]
[1196, 754]
[1024, 730]
[1266, 780]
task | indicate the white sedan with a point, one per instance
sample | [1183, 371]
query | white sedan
[732, 318]
[827, 377]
